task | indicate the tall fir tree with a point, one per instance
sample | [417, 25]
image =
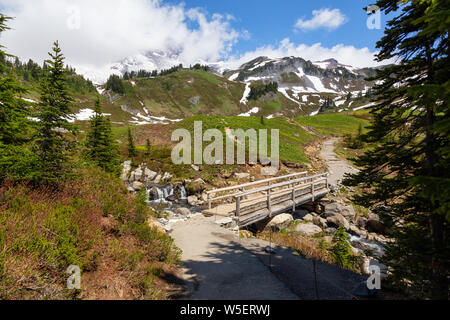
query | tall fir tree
[100, 146]
[148, 148]
[16, 160]
[132, 152]
[406, 177]
[53, 144]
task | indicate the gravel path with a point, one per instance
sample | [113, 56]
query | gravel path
[336, 167]
[220, 266]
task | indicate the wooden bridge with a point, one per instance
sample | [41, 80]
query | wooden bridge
[252, 202]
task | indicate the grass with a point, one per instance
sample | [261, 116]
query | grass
[333, 124]
[92, 222]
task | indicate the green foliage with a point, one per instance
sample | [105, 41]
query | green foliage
[409, 169]
[148, 148]
[115, 84]
[100, 146]
[16, 160]
[132, 151]
[257, 91]
[341, 250]
[52, 144]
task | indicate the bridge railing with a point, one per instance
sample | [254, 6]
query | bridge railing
[270, 191]
[242, 187]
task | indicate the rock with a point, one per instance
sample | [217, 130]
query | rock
[338, 221]
[356, 231]
[332, 209]
[376, 227]
[195, 168]
[199, 181]
[328, 239]
[279, 222]
[225, 222]
[156, 224]
[270, 171]
[301, 213]
[168, 228]
[241, 176]
[319, 208]
[195, 187]
[157, 179]
[374, 216]
[355, 251]
[183, 211]
[149, 175]
[192, 200]
[137, 185]
[138, 174]
[321, 222]
[361, 222]
[308, 217]
[309, 229]
[348, 212]
[167, 176]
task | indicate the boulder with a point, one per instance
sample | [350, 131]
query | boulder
[356, 231]
[332, 209]
[376, 227]
[321, 222]
[309, 217]
[241, 176]
[338, 221]
[157, 179]
[137, 185]
[348, 212]
[138, 173]
[149, 175]
[183, 211]
[225, 222]
[192, 200]
[156, 224]
[270, 171]
[301, 213]
[361, 222]
[279, 222]
[309, 229]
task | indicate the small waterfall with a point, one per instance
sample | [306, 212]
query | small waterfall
[161, 194]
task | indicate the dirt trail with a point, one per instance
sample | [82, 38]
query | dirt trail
[336, 167]
[218, 265]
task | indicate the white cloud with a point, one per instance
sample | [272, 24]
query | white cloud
[322, 18]
[111, 30]
[357, 57]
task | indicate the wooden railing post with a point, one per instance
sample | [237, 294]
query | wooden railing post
[293, 199]
[209, 201]
[238, 207]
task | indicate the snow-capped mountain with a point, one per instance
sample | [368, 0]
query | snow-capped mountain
[303, 76]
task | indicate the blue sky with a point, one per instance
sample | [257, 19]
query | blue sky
[94, 35]
[269, 22]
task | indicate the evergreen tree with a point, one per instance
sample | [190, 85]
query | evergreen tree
[100, 146]
[53, 145]
[132, 152]
[148, 148]
[408, 171]
[341, 250]
[16, 161]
